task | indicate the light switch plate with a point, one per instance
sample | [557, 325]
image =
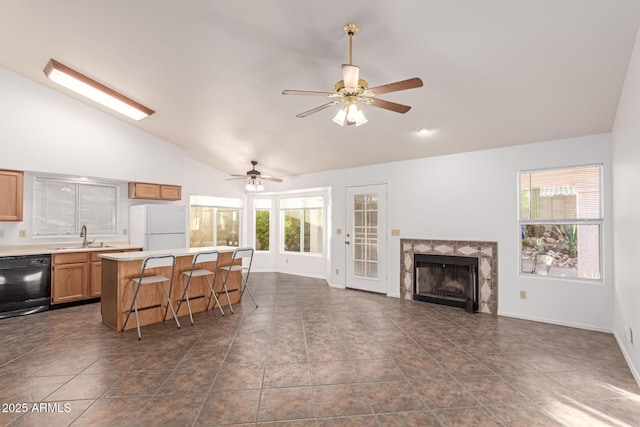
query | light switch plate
[395, 232]
[1, 234]
[22, 233]
[338, 230]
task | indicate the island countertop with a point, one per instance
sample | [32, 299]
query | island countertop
[139, 255]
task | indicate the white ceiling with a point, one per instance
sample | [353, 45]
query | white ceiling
[495, 72]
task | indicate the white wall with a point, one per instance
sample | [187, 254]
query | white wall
[474, 196]
[626, 207]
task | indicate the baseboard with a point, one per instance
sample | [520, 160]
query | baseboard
[556, 322]
[337, 285]
[627, 358]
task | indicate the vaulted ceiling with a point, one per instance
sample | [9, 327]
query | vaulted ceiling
[496, 72]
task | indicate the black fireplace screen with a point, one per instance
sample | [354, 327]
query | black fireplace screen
[443, 279]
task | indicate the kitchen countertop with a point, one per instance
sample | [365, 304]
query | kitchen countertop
[138, 255]
[55, 248]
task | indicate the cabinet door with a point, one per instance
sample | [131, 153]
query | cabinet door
[11, 195]
[95, 288]
[69, 282]
[170, 192]
[141, 190]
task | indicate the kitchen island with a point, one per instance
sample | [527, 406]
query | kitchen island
[119, 268]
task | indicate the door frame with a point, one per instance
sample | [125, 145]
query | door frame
[383, 249]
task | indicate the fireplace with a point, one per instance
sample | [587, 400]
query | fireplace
[449, 280]
[485, 252]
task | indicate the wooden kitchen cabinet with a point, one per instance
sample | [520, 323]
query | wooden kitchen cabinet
[69, 277]
[11, 195]
[77, 276]
[145, 190]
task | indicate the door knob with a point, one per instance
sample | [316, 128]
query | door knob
[346, 242]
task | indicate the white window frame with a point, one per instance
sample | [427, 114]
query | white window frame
[263, 204]
[302, 203]
[599, 221]
[218, 203]
[49, 230]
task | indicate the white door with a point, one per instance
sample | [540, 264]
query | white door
[366, 238]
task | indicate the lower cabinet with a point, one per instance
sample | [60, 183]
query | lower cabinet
[77, 276]
[69, 277]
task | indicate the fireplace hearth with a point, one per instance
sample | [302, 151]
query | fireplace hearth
[449, 280]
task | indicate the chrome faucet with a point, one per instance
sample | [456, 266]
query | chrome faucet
[83, 234]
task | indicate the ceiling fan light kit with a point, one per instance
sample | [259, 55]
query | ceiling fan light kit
[254, 178]
[352, 89]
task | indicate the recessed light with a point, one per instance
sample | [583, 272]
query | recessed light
[425, 130]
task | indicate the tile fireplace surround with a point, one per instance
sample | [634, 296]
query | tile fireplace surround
[486, 252]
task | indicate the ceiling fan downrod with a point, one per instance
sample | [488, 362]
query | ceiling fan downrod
[351, 30]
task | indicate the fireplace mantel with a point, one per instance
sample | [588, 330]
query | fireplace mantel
[486, 252]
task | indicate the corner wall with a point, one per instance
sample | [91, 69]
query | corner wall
[626, 208]
[474, 196]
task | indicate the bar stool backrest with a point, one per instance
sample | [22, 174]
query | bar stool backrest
[242, 253]
[205, 257]
[158, 261]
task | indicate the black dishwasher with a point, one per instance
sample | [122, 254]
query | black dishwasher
[25, 284]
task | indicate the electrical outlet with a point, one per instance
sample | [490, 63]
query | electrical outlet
[286, 260]
[523, 294]
[124, 231]
[337, 271]
[22, 233]
[1, 234]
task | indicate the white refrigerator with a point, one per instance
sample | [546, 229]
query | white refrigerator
[156, 227]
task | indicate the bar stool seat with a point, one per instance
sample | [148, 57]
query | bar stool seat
[153, 262]
[198, 259]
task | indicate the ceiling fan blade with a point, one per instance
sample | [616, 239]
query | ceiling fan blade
[397, 86]
[387, 105]
[350, 75]
[270, 178]
[307, 92]
[238, 177]
[315, 110]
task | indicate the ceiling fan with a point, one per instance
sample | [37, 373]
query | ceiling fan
[352, 89]
[254, 178]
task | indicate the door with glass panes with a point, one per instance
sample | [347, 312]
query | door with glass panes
[365, 238]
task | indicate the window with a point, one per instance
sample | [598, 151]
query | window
[61, 207]
[214, 221]
[263, 221]
[561, 222]
[302, 224]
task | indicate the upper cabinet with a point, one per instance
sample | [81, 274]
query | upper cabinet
[145, 190]
[11, 195]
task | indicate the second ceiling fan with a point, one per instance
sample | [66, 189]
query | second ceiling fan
[352, 89]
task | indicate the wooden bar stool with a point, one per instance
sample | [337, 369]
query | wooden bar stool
[209, 276]
[153, 262]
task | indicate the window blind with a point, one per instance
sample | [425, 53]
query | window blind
[572, 193]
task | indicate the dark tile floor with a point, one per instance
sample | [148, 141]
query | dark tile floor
[312, 356]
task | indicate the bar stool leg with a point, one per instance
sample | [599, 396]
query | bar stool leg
[224, 286]
[185, 297]
[134, 307]
[169, 305]
[213, 294]
[244, 287]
